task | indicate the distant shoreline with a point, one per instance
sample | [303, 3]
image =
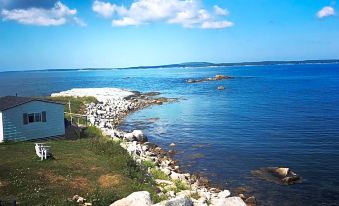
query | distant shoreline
[195, 65]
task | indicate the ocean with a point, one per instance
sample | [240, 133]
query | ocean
[282, 115]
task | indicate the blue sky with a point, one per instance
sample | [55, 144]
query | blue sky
[46, 34]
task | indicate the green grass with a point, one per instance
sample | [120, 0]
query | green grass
[77, 103]
[95, 168]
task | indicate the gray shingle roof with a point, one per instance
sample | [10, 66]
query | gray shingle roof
[13, 101]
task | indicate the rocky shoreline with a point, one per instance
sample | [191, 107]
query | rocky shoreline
[176, 187]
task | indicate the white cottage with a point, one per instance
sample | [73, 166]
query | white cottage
[23, 118]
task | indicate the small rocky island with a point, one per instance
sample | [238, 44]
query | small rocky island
[217, 77]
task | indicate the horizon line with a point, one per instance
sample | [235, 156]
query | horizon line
[194, 64]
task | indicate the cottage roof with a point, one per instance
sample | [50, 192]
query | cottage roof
[8, 102]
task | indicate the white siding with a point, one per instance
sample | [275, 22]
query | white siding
[15, 129]
[1, 129]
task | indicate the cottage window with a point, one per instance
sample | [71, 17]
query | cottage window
[44, 117]
[37, 117]
[30, 118]
[34, 117]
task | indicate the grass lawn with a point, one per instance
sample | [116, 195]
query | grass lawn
[94, 168]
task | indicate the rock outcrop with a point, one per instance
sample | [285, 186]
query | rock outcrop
[278, 175]
[215, 78]
[142, 198]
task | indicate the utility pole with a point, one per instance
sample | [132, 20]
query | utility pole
[70, 111]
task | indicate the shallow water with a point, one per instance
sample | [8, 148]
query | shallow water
[267, 116]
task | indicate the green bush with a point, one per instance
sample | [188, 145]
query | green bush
[93, 132]
[149, 164]
[180, 185]
[158, 174]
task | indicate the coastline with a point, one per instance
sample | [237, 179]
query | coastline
[113, 107]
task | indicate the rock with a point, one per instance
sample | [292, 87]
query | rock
[177, 176]
[184, 193]
[231, 201]
[92, 120]
[88, 204]
[166, 171]
[81, 200]
[171, 194]
[224, 194]
[129, 137]
[291, 180]
[172, 145]
[179, 201]
[283, 172]
[221, 88]
[139, 136]
[251, 200]
[219, 77]
[202, 181]
[242, 196]
[75, 197]
[141, 198]
[278, 175]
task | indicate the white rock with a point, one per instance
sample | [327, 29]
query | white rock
[92, 120]
[138, 135]
[166, 171]
[141, 198]
[171, 194]
[129, 137]
[178, 201]
[282, 171]
[177, 176]
[224, 194]
[230, 201]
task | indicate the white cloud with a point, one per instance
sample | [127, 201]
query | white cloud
[105, 9]
[220, 11]
[325, 12]
[187, 13]
[79, 21]
[216, 24]
[126, 21]
[58, 15]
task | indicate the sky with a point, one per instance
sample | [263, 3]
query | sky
[66, 34]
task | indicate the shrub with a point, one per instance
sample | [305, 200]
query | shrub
[92, 132]
[180, 185]
[149, 164]
[158, 174]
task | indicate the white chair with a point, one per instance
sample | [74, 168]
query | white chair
[42, 150]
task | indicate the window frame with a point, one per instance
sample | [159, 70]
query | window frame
[29, 118]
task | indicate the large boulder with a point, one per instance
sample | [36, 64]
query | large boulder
[142, 198]
[231, 201]
[279, 175]
[129, 137]
[224, 194]
[139, 136]
[181, 200]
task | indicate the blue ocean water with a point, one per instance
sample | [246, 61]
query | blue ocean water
[284, 115]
